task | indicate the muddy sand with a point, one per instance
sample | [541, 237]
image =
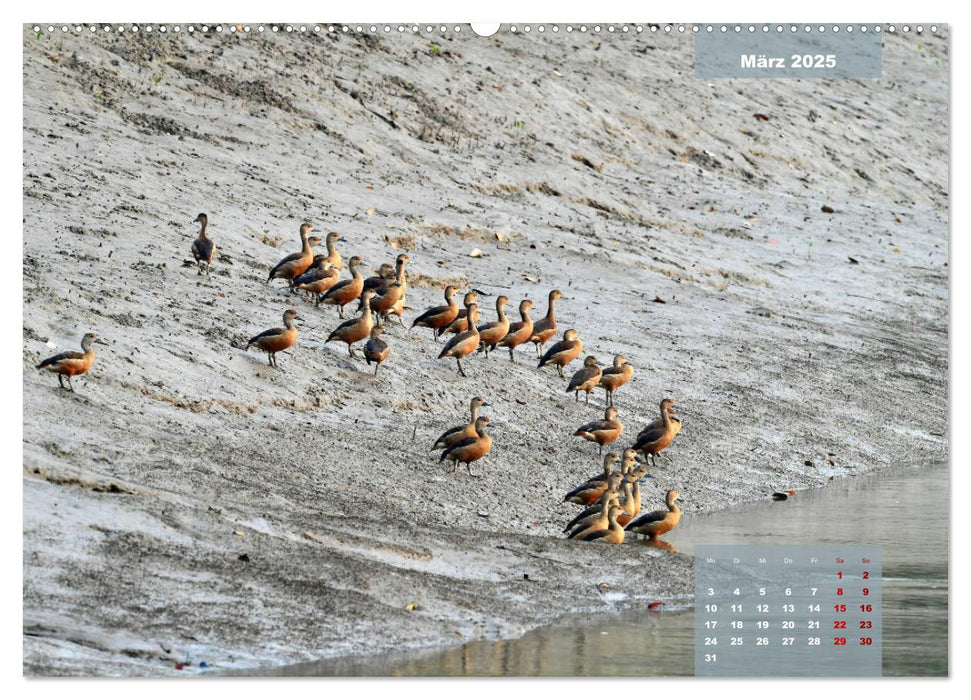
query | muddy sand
[190, 503]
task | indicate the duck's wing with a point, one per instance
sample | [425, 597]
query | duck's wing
[333, 290]
[655, 516]
[586, 512]
[554, 349]
[289, 258]
[458, 338]
[69, 355]
[593, 427]
[464, 442]
[266, 334]
[447, 433]
[580, 489]
[434, 311]
[596, 535]
[582, 376]
[201, 250]
[649, 435]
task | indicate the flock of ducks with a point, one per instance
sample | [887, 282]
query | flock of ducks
[612, 499]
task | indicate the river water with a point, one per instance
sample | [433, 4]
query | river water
[902, 509]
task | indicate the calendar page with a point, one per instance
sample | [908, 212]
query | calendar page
[437, 348]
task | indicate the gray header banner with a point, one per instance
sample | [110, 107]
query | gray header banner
[787, 54]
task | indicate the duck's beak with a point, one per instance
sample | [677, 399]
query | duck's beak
[341, 239]
[299, 318]
[486, 403]
[99, 341]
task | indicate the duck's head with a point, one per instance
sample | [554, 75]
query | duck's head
[478, 402]
[590, 361]
[502, 302]
[470, 298]
[333, 237]
[201, 219]
[355, 261]
[306, 228]
[525, 305]
[667, 406]
[90, 338]
[556, 294]
[610, 413]
[290, 315]
[450, 291]
[620, 360]
[571, 335]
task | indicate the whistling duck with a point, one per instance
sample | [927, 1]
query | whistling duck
[563, 352]
[438, 317]
[585, 379]
[519, 332]
[295, 263]
[318, 278]
[380, 282]
[203, 249]
[277, 339]
[491, 333]
[657, 522]
[333, 257]
[615, 377]
[392, 300]
[385, 304]
[453, 435]
[355, 329]
[593, 488]
[468, 450]
[545, 328]
[610, 490]
[602, 431]
[67, 364]
[597, 518]
[613, 534]
[659, 434]
[464, 343]
[346, 291]
[461, 322]
[375, 349]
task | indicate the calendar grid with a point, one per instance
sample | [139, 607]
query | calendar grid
[788, 611]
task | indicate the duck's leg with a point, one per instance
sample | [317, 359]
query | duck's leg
[468, 465]
[376, 365]
[559, 368]
[512, 356]
[70, 384]
[340, 310]
[350, 350]
[459, 363]
[576, 396]
[601, 448]
[588, 398]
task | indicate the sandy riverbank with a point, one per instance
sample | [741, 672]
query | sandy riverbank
[605, 168]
